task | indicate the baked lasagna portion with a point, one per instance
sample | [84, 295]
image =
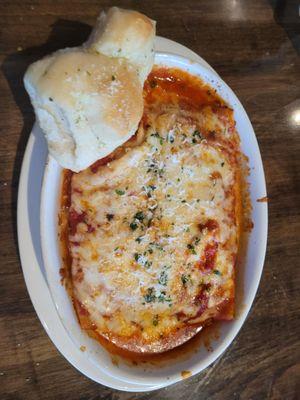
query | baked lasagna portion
[154, 229]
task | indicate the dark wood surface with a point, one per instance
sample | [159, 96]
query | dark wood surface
[255, 48]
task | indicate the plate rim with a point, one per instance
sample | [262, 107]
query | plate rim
[44, 321]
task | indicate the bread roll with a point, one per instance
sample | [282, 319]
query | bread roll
[88, 100]
[128, 34]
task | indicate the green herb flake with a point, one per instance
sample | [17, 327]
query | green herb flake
[184, 279]
[133, 226]
[217, 272]
[120, 192]
[191, 247]
[197, 134]
[155, 320]
[157, 135]
[139, 239]
[139, 216]
[150, 297]
[109, 216]
[163, 297]
[197, 137]
[163, 278]
[113, 78]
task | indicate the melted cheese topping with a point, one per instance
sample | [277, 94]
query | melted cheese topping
[154, 233]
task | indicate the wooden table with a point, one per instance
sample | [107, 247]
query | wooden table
[254, 46]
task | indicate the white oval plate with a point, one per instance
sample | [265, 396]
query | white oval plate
[41, 268]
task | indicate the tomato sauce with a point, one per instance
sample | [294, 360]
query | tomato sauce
[173, 86]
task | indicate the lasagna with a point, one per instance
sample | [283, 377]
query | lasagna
[153, 230]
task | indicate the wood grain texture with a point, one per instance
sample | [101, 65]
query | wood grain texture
[254, 45]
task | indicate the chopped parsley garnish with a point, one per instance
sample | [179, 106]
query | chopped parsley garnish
[197, 134]
[197, 137]
[109, 216]
[157, 135]
[138, 220]
[222, 164]
[185, 279]
[163, 278]
[150, 297]
[162, 297]
[113, 78]
[139, 239]
[156, 168]
[120, 192]
[149, 189]
[50, 99]
[155, 320]
[191, 247]
[139, 216]
[142, 260]
[157, 245]
[133, 226]
[217, 272]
